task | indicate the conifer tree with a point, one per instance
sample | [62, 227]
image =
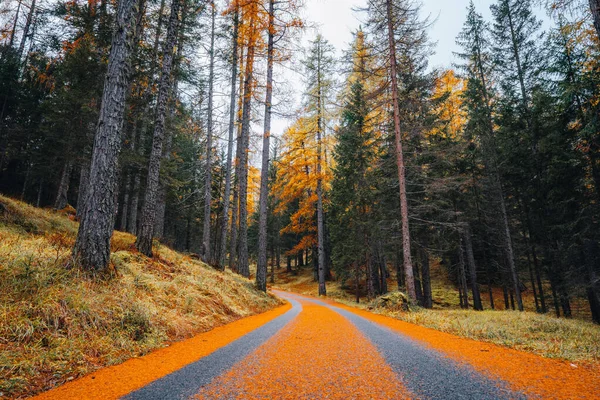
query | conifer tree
[92, 247]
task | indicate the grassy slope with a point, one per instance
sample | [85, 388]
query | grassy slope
[574, 340]
[58, 323]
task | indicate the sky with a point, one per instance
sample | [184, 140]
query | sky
[336, 20]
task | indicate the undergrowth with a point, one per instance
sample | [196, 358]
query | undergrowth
[58, 323]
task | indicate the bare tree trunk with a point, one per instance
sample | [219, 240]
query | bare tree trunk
[320, 221]
[161, 201]
[26, 180]
[462, 275]
[408, 269]
[63, 188]
[472, 269]
[243, 267]
[14, 27]
[132, 223]
[261, 272]
[425, 271]
[38, 201]
[26, 31]
[208, 182]
[146, 233]
[232, 111]
[92, 248]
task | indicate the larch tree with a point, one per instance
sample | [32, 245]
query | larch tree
[281, 20]
[251, 35]
[261, 268]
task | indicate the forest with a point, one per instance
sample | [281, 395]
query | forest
[155, 118]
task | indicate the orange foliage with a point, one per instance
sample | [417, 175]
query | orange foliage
[448, 91]
[297, 180]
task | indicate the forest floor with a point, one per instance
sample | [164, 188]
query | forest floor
[575, 340]
[57, 324]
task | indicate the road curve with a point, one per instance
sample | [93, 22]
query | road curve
[317, 350]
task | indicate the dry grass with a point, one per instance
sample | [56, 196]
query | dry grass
[57, 323]
[545, 335]
[551, 337]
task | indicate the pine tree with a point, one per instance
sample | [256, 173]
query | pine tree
[92, 247]
[146, 234]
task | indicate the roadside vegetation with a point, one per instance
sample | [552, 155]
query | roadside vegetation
[58, 323]
[574, 340]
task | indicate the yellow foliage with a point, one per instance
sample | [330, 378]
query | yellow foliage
[448, 91]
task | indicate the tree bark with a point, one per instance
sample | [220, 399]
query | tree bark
[243, 266]
[261, 271]
[408, 269]
[92, 247]
[472, 268]
[427, 296]
[146, 232]
[595, 9]
[462, 275]
[26, 30]
[228, 167]
[320, 221]
[63, 188]
[208, 181]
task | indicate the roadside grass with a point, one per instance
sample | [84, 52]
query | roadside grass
[573, 340]
[59, 323]
[544, 335]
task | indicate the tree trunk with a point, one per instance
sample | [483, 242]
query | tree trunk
[26, 30]
[63, 188]
[427, 296]
[591, 257]
[357, 281]
[39, 193]
[462, 275]
[209, 128]
[595, 9]
[92, 248]
[14, 27]
[472, 269]
[418, 287]
[146, 232]
[243, 267]
[491, 164]
[261, 271]
[228, 167]
[408, 269]
[320, 221]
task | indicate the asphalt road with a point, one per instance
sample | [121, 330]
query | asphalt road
[316, 351]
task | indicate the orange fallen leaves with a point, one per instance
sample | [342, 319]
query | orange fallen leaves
[320, 355]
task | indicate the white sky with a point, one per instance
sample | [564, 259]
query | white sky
[336, 21]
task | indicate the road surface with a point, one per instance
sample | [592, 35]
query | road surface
[317, 351]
